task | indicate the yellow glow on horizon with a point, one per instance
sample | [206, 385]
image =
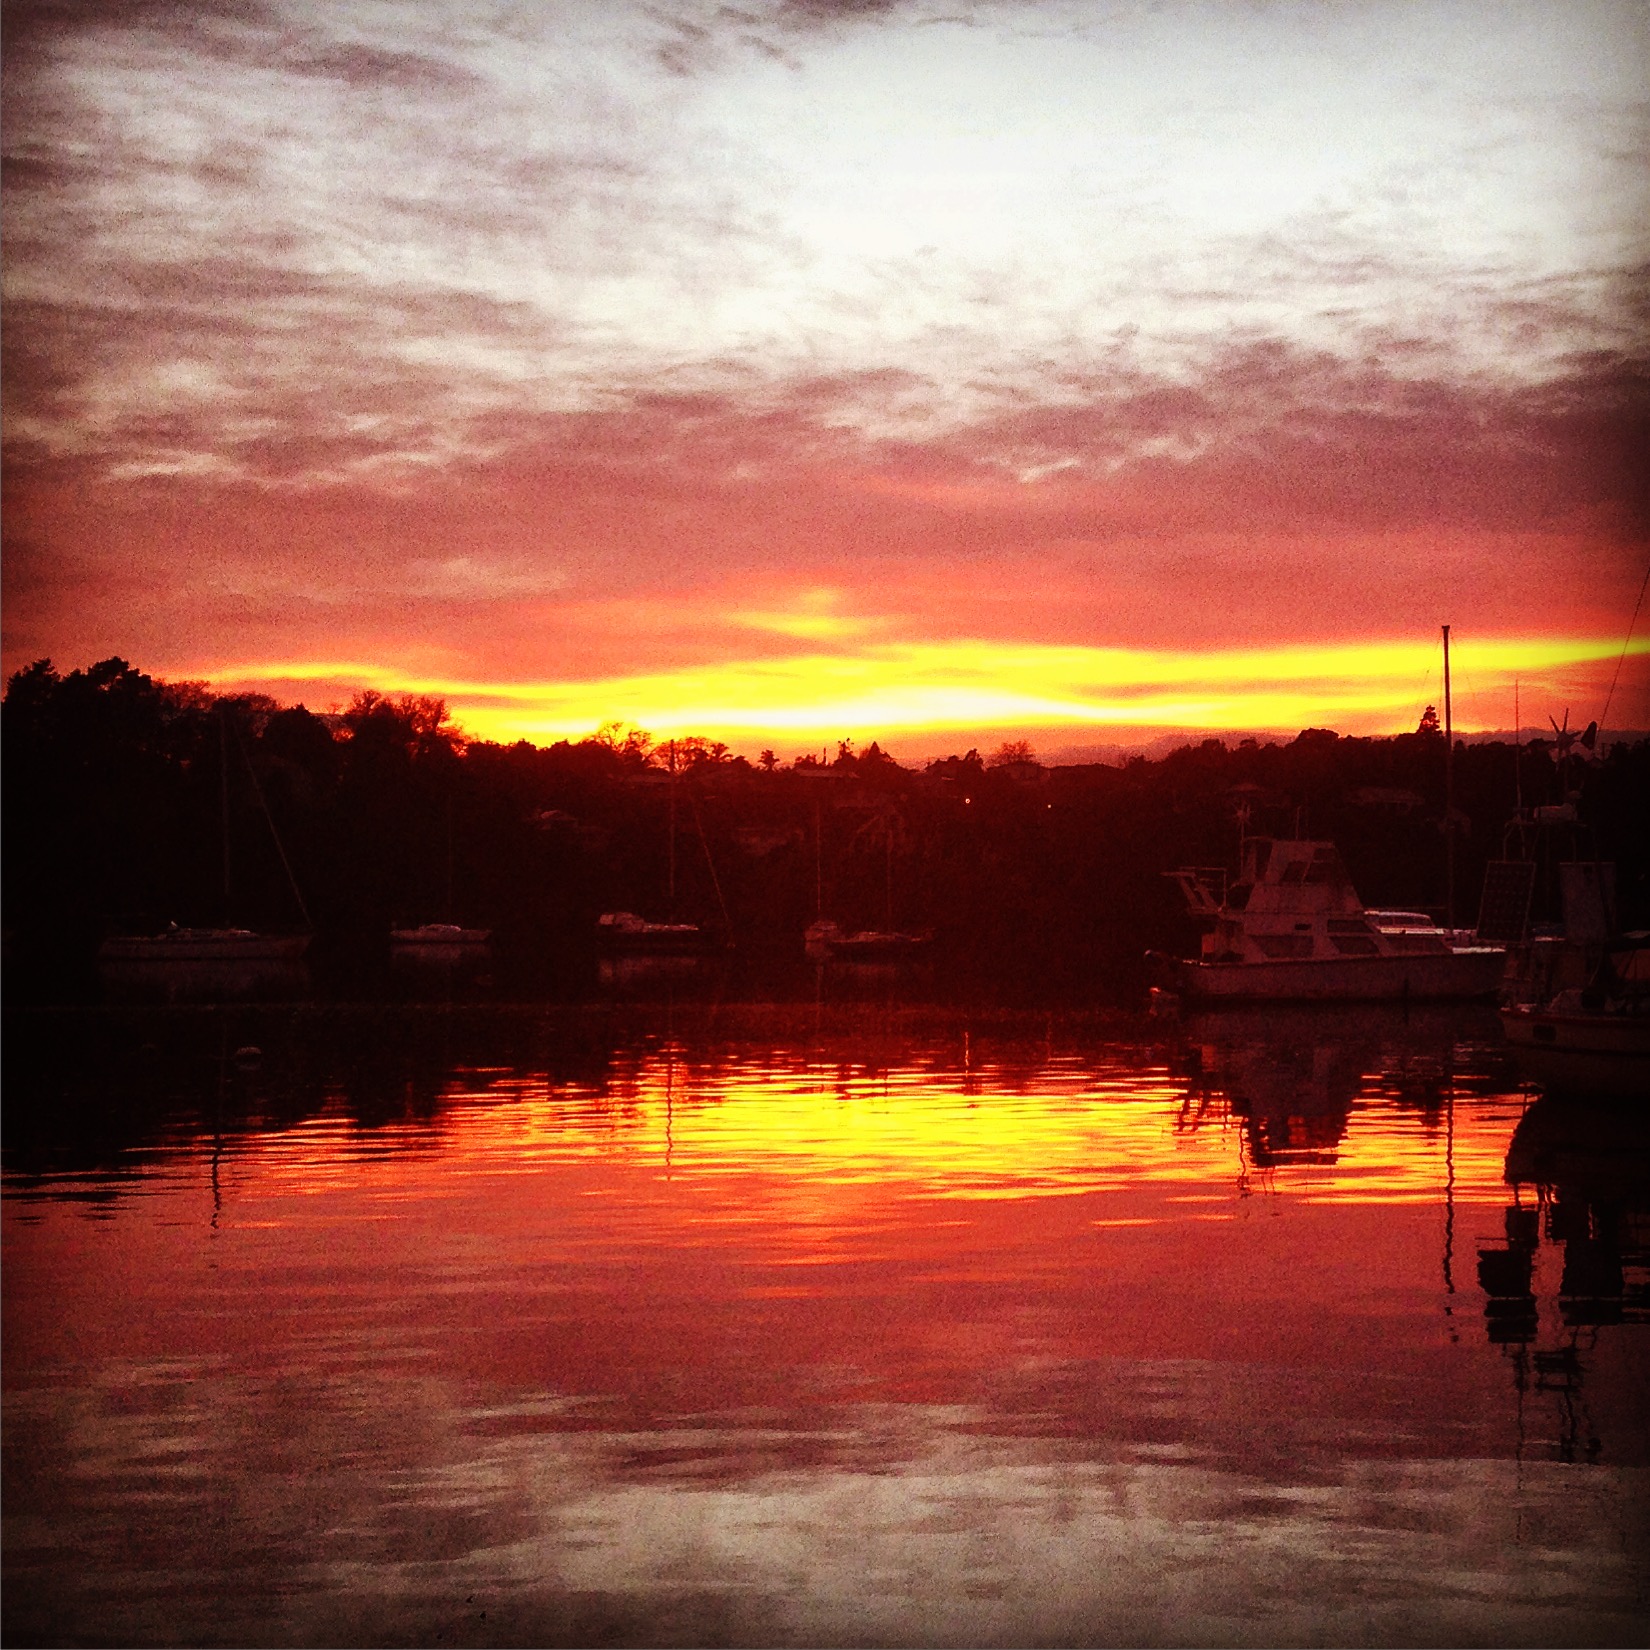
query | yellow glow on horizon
[918, 687]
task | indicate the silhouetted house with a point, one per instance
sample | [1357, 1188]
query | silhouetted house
[1023, 773]
[836, 787]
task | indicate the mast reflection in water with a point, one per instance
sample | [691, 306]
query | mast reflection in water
[802, 1326]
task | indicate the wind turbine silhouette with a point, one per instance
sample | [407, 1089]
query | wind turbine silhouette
[1567, 741]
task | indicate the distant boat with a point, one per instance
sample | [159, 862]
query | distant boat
[178, 945]
[625, 931]
[440, 942]
[441, 950]
[440, 936]
[1292, 928]
[137, 955]
[1593, 1039]
[826, 938]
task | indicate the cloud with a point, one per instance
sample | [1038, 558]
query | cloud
[467, 578]
[455, 332]
[815, 614]
[243, 33]
[208, 217]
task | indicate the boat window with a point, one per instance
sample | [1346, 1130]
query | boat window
[1294, 871]
[1348, 925]
[1413, 944]
[1284, 947]
[1354, 945]
[1327, 868]
[1238, 895]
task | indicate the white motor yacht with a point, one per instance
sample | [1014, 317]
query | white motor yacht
[1292, 928]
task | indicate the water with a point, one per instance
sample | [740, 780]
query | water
[859, 1325]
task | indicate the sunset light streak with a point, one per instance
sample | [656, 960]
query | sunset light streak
[927, 689]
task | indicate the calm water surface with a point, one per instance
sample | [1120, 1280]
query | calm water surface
[798, 1326]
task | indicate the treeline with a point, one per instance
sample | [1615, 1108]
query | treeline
[130, 803]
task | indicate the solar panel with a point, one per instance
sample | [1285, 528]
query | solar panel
[1504, 911]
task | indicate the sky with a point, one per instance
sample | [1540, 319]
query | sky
[791, 370]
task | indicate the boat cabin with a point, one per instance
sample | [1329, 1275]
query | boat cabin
[1292, 901]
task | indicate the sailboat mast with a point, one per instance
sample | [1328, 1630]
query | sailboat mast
[1518, 758]
[888, 889]
[672, 898]
[1449, 796]
[449, 917]
[223, 803]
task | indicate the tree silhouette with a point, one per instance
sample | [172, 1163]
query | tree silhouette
[113, 823]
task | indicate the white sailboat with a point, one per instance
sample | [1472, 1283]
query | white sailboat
[626, 931]
[825, 938]
[138, 955]
[445, 941]
[440, 938]
[1593, 1039]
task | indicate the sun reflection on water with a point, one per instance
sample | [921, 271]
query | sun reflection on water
[825, 1333]
[938, 1124]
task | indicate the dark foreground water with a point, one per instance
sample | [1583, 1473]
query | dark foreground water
[663, 1325]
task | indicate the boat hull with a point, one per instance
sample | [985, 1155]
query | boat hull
[1581, 1053]
[203, 946]
[1444, 976]
[623, 933]
[869, 947]
[439, 940]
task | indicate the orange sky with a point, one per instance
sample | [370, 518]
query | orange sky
[920, 372]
